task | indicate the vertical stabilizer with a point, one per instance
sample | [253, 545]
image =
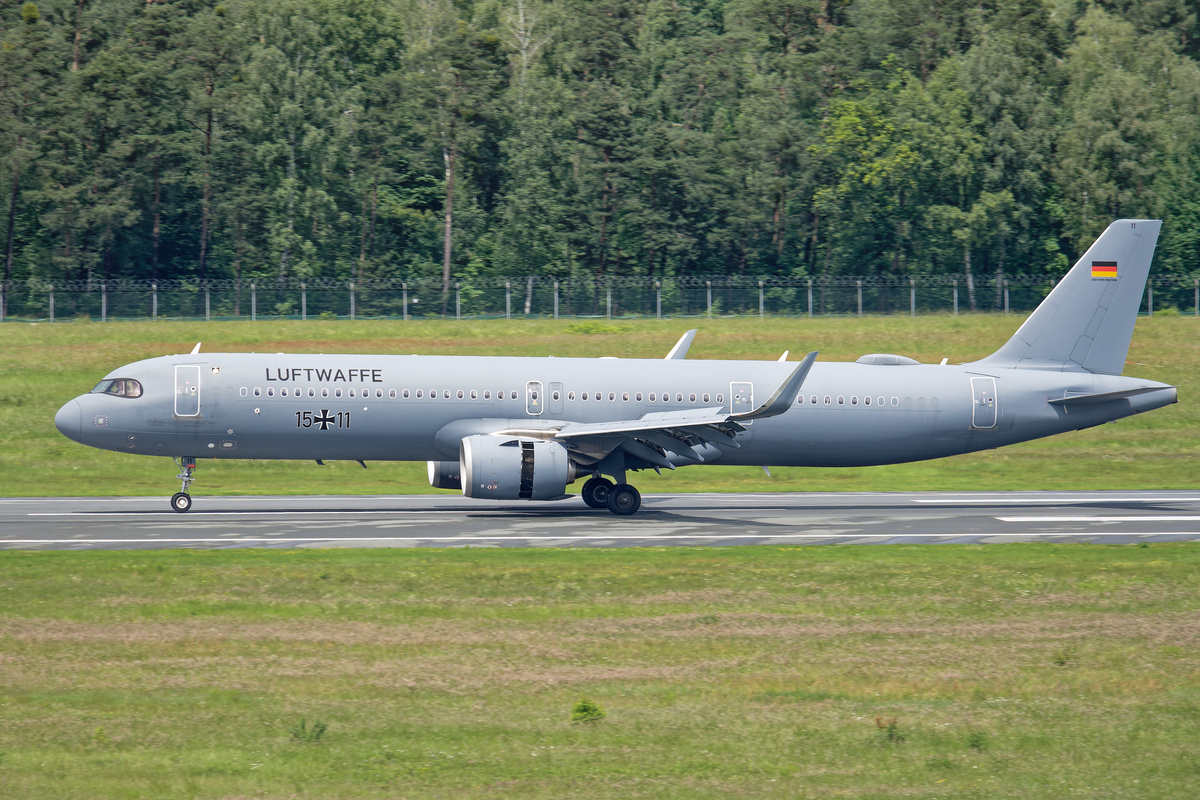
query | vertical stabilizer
[1086, 322]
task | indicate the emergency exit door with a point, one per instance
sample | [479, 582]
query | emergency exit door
[983, 409]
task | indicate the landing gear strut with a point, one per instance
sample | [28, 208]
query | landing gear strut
[181, 501]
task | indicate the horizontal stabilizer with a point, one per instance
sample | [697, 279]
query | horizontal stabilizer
[1105, 397]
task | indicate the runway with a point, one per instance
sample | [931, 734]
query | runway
[145, 523]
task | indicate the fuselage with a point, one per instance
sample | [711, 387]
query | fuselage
[419, 408]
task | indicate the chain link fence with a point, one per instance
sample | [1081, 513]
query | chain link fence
[547, 296]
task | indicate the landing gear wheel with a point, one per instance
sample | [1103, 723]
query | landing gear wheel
[624, 500]
[595, 492]
[181, 502]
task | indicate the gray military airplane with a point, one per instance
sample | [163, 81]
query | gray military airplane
[525, 428]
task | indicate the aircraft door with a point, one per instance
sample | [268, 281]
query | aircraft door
[187, 390]
[741, 397]
[983, 403]
[555, 401]
[533, 398]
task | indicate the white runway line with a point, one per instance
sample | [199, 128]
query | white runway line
[635, 538]
[1177, 518]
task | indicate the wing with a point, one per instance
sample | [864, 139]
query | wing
[689, 434]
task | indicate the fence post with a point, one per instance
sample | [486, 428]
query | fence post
[556, 299]
[956, 297]
[507, 300]
[457, 300]
[104, 302]
[658, 299]
[709, 285]
[353, 310]
[760, 299]
[810, 297]
[3, 286]
[608, 303]
[912, 297]
[154, 301]
[859, 297]
[1150, 297]
[52, 304]
[207, 306]
[404, 286]
[1006, 295]
[1197, 289]
[303, 302]
[254, 302]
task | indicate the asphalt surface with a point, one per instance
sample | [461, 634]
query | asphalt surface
[141, 523]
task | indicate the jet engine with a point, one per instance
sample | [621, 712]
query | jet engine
[445, 475]
[505, 468]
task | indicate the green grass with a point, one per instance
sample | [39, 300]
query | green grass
[43, 366]
[1016, 671]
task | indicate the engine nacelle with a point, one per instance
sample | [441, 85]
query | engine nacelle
[508, 468]
[445, 475]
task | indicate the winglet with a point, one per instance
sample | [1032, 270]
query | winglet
[681, 347]
[196, 349]
[784, 396]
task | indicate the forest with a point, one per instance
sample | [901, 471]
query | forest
[442, 140]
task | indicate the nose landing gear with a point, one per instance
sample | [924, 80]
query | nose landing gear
[181, 501]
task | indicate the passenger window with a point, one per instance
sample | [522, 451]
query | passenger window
[895, 401]
[351, 393]
[652, 397]
[242, 391]
[460, 395]
[585, 395]
[625, 396]
[679, 397]
[419, 394]
[638, 397]
[612, 396]
[799, 399]
[283, 392]
[571, 396]
[720, 398]
[445, 394]
[336, 392]
[692, 398]
[841, 400]
[854, 401]
[270, 391]
[706, 397]
[666, 397]
[257, 392]
[474, 394]
[555, 395]
[487, 394]
[392, 394]
[867, 400]
[813, 399]
[827, 400]
[879, 401]
[312, 392]
[324, 392]
[514, 395]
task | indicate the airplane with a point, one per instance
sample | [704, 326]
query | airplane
[507, 428]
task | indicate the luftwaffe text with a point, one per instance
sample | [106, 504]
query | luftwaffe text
[331, 375]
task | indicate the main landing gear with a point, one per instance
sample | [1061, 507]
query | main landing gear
[621, 499]
[181, 501]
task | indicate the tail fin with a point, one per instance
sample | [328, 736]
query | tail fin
[1086, 322]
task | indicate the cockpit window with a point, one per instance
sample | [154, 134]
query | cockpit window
[121, 387]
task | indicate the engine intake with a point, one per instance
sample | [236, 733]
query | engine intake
[445, 475]
[504, 468]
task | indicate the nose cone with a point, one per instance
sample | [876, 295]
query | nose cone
[68, 420]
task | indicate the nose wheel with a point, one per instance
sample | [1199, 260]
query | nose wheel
[181, 501]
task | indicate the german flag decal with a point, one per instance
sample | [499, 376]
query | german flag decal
[1104, 269]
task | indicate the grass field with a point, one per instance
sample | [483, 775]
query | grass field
[1001, 671]
[43, 366]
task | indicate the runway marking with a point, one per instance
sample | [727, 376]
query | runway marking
[198, 514]
[645, 537]
[1177, 518]
[986, 500]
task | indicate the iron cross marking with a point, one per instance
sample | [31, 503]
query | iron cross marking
[325, 420]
